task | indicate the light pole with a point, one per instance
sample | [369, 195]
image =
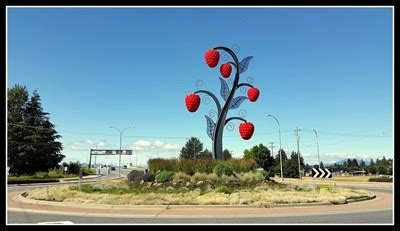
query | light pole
[95, 145]
[280, 143]
[120, 143]
[319, 161]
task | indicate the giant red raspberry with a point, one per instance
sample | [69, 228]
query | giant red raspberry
[192, 102]
[253, 94]
[212, 58]
[226, 70]
[246, 130]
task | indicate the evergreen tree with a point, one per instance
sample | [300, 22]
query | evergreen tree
[277, 168]
[292, 166]
[37, 148]
[206, 154]
[227, 155]
[192, 149]
[17, 98]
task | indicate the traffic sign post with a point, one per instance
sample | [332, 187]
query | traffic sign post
[321, 173]
[80, 179]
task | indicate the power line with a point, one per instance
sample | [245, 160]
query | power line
[137, 136]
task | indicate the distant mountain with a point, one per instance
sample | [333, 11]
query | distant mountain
[367, 162]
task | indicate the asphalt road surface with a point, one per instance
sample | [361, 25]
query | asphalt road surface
[379, 217]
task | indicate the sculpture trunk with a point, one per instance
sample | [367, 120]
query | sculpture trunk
[219, 128]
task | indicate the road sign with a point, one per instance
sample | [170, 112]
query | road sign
[321, 173]
[65, 169]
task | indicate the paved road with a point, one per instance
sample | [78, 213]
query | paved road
[382, 216]
[379, 217]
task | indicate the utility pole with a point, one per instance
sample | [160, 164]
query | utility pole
[298, 149]
[319, 161]
[271, 145]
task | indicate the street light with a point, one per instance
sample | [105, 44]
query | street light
[120, 143]
[280, 143]
[319, 161]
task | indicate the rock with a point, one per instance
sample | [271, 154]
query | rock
[174, 184]
[150, 183]
[200, 183]
[187, 184]
[142, 182]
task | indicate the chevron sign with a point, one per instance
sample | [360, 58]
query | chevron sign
[321, 173]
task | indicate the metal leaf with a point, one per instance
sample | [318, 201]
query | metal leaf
[210, 127]
[224, 89]
[237, 101]
[244, 64]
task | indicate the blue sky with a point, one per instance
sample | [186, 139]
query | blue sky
[328, 69]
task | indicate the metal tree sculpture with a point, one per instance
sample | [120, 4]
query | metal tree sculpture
[215, 130]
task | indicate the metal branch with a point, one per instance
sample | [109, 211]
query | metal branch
[234, 118]
[213, 97]
[244, 84]
[234, 64]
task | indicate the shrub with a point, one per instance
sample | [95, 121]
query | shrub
[164, 176]
[181, 177]
[224, 189]
[380, 179]
[146, 177]
[191, 166]
[242, 165]
[134, 174]
[55, 173]
[39, 175]
[87, 171]
[223, 169]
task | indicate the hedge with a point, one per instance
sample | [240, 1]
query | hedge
[29, 180]
[380, 179]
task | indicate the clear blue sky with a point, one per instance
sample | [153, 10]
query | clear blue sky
[328, 69]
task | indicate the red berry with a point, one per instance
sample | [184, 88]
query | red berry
[192, 102]
[246, 130]
[253, 94]
[212, 58]
[226, 70]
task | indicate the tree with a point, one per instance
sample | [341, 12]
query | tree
[17, 98]
[321, 165]
[277, 168]
[362, 164]
[227, 154]
[371, 162]
[192, 148]
[215, 129]
[262, 156]
[37, 147]
[292, 166]
[206, 154]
